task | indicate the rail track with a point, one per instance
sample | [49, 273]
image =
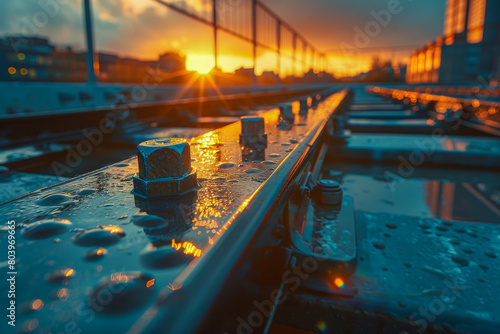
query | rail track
[364, 212]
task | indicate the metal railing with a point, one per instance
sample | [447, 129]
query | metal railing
[248, 20]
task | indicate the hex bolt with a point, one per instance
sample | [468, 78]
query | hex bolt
[327, 192]
[286, 112]
[251, 125]
[253, 132]
[164, 168]
[339, 125]
[304, 103]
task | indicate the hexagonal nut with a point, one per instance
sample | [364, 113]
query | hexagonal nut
[286, 112]
[305, 103]
[164, 158]
[166, 186]
[252, 125]
[327, 192]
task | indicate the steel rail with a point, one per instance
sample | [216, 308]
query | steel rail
[488, 126]
[68, 124]
[206, 286]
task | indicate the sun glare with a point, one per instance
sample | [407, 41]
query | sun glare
[200, 63]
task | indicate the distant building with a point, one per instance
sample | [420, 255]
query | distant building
[34, 59]
[468, 49]
[267, 78]
[25, 58]
[172, 62]
[244, 75]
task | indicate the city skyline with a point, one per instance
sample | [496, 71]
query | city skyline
[139, 21]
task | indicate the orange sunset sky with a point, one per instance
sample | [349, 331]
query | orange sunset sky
[144, 28]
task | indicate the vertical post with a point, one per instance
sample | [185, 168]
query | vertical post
[304, 56]
[216, 64]
[278, 49]
[304, 59]
[313, 67]
[294, 54]
[254, 39]
[92, 60]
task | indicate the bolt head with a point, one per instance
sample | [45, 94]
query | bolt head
[164, 158]
[304, 103]
[166, 186]
[327, 192]
[252, 125]
[286, 112]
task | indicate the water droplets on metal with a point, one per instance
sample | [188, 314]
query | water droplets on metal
[122, 292]
[45, 228]
[102, 235]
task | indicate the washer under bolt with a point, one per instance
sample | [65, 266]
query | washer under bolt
[327, 192]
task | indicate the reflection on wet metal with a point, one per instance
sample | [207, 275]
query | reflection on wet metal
[253, 138]
[287, 117]
[165, 218]
[189, 224]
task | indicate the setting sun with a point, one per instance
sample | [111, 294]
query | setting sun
[200, 63]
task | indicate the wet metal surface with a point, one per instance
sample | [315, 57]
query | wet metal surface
[17, 184]
[73, 277]
[413, 274]
[418, 149]
[428, 240]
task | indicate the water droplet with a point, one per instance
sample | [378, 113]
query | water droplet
[492, 255]
[148, 221]
[268, 162]
[45, 228]
[442, 228]
[401, 304]
[54, 199]
[461, 261]
[391, 226]
[122, 292]
[86, 192]
[95, 254]
[274, 155]
[226, 165]
[253, 171]
[121, 165]
[378, 245]
[60, 276]
[102, 235]
[164, 257]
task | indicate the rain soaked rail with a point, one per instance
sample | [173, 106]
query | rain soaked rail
[482, 115]
[89, 248]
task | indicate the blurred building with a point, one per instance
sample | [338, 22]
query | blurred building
[25, 59]
[468, 50]
[35, 59]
